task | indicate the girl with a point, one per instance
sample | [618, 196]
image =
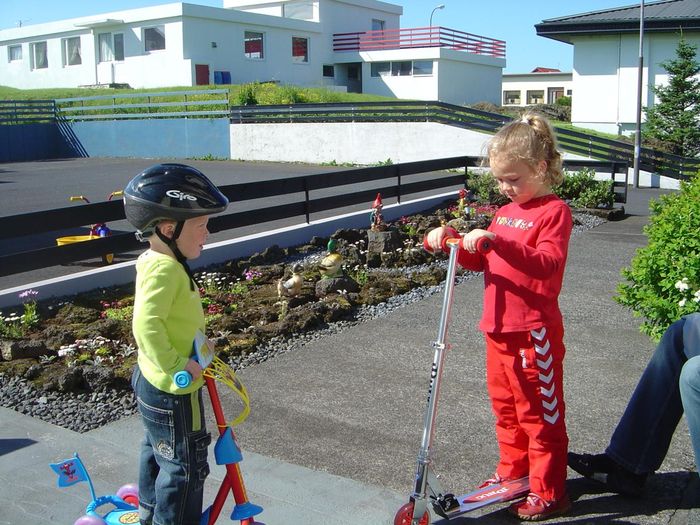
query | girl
[521, 319]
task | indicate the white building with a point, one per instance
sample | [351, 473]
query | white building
[606, 58]
[541, 86]
[356, 45]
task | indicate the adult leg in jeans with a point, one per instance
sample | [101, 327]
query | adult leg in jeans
[690, 395]
[642, 437]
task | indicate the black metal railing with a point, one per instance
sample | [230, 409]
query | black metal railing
[14, 112]
[305, 192]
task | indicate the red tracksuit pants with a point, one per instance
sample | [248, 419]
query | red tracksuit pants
[524, 374]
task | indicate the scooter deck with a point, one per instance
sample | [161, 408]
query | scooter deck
[500, 492]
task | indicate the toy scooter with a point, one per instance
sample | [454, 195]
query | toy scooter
[226, 450]
[427, 488]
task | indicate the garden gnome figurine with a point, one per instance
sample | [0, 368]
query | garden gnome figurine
[332, 264]
[376, 217]
[462, 202]
[292, 286]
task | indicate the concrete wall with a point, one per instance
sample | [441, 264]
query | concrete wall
[175, 138]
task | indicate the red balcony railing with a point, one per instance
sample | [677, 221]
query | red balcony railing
[419, 37]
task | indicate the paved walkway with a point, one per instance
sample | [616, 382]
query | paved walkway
[335, 425]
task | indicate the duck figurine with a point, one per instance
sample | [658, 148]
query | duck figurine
[332, 264]
[292, 286]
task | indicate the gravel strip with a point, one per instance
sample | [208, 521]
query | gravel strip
[87, 411]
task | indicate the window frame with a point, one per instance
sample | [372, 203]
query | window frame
[531, 94]
[32, 55]
[305, 58]
[65, 51]
[432, 68]
[112, 47]
[332, 70]
[399, 70]
[246, 39]
[145, 41]
[12, 47]
[376, 72]
[508, 93]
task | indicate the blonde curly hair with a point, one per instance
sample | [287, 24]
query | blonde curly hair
[529, 139]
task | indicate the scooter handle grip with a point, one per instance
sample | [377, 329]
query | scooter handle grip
[182, 378]
[483, 245]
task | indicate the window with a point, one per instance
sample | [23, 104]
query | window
[353, 72]
[328, 71]
[119, 46]
[553, 94]
[422, 67]
[303, 10]
[253, 45]
[380, 69]
[39, 59]
[535, 96]
[154, 38]
[70, 51]
[511, 97]
[401, 69]
[300, 49]
[14, 53]
[377, 25]
[568, 92]
[111, 46]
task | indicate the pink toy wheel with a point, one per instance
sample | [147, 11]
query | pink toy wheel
[89, 520]
[405, 513]
[129, 493]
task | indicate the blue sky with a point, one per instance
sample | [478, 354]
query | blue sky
[509, 20]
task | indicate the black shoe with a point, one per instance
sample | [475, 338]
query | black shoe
[603, 469]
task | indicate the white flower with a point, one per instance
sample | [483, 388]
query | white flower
[696, 297]
[682, 285]
[682, 302]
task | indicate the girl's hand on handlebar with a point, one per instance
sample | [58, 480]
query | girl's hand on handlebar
[432, 241]
[194, 369]
[471, 240]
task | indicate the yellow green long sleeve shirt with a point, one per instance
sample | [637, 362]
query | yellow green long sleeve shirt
[167, 314]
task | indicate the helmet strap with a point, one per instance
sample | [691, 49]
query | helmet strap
[171, 242]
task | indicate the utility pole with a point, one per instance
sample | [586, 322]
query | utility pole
[638, 131]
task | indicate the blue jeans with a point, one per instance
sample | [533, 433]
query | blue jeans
[690, 395]
[173, 463]
[642, 437]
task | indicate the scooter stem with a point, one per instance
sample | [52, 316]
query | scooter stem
[422, 480]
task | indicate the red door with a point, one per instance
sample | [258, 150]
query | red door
[201, 74]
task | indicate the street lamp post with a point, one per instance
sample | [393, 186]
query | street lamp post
[638, 131]
[441, 6]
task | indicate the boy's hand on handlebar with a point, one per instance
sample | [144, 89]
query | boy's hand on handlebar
[470, 240]
[194, 369]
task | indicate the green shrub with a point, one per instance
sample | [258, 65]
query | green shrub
[583, 191]
[484, 188]
[246, 95]
[663, 279]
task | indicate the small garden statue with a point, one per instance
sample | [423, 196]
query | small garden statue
[376, 218]
[462, 204]
[292, 286]
[332, 264]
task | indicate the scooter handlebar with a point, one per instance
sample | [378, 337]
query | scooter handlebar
[483, 245]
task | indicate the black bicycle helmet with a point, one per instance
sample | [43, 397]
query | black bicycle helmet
[174, 192]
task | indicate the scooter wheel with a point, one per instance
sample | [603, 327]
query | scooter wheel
[129, 493]
[405, 514]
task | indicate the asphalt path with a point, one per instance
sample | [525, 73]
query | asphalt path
[45, 185]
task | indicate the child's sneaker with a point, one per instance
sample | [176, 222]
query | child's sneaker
[495, 480]
[534, 508]
[605, 470]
